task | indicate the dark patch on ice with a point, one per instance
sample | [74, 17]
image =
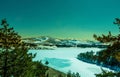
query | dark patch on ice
[60, 63]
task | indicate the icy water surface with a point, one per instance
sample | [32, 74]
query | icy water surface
[64, 59]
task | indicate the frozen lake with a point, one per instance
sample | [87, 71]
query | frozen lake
[64, 59]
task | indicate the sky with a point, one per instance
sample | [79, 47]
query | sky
[75, 19]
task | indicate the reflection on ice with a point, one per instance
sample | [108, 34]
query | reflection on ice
[59, 63]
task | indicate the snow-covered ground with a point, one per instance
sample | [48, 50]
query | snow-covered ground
[64, 59]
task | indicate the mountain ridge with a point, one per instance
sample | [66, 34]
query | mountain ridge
[46, 42]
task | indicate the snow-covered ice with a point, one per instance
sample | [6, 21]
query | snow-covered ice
[64, 59]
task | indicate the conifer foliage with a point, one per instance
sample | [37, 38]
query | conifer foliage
[114, 42]
[14, 58]
[110, 56]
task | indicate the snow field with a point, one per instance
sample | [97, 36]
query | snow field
[64, 59]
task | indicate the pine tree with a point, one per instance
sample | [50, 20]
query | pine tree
[113, 41]
[69, 74]
[14, 59]
[111, 55]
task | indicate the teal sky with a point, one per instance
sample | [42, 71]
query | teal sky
[77, 19]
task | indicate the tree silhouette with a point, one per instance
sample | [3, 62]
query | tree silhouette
[114, 41]
[111, 55]
[117, 22]
[14, 59]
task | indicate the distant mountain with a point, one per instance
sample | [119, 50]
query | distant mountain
[45, 42]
